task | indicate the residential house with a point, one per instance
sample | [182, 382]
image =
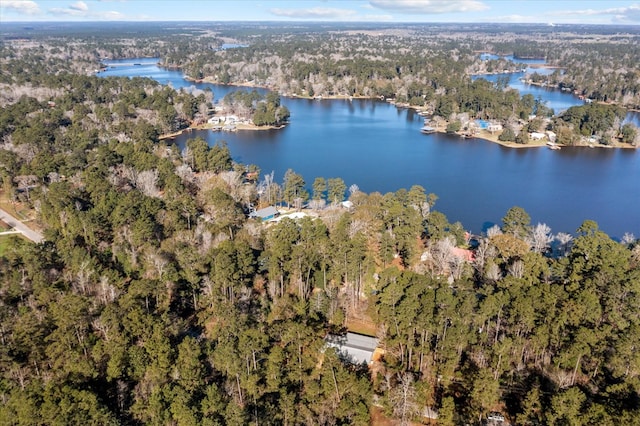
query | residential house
[265, 214]
[355, 348]
[537, 136]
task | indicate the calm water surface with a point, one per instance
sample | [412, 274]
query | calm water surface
[380, 148]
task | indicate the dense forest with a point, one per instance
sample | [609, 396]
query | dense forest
[157, 300]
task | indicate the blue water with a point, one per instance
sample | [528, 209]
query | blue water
[553, 98]
[149, 68]
[380, 148]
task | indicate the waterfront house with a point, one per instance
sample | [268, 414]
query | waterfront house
[347, 204]
[537, 136]
[265, 214]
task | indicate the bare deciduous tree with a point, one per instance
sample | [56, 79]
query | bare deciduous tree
[353, 189]
[403, 398]
[484, 251]
[185, 173]
[540, 237]
[564, 240]
[517, 269]
[442, 255]
[268, 190]
[493, 272]
[146, 182]
[233, 180]
[317, 204]
[493, 231]
[628, 239]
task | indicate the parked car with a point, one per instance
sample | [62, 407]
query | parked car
[495, 417]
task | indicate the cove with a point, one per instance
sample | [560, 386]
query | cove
[380, 148]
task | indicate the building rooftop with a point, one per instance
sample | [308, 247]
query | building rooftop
[355, 348]
[265, 213]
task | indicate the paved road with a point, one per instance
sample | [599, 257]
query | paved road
[34, 236]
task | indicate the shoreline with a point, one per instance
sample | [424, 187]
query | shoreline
[210, 127]
[483, 135]
[493, 138]
[487, 136]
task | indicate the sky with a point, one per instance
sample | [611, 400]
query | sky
[503, 11]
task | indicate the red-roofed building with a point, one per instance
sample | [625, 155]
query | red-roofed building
[463, 254]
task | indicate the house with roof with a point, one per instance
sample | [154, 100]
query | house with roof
[536, 136]
[292, 216]
[353, 347]
[265, 214]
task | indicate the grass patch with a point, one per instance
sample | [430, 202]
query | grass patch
[17, 210]
[366, 328]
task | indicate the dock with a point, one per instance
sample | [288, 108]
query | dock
[427, 129]
[552, 145]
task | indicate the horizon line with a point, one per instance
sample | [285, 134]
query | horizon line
[549, 24]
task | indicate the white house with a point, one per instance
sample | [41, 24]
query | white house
[494, 127]
[347, 204]
[537, 136]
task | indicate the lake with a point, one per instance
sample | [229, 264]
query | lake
[380, 148]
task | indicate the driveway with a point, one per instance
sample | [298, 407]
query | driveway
[34, 236]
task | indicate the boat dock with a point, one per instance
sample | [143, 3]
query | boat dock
[552, 145]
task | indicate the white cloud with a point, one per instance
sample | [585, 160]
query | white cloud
[629, 14]
[67, 11]
[314, 13]
[80, 9]
[80, 6]
[26, 7]
[427, 7]
[111, 15]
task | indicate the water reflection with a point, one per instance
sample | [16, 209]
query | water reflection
[380, 148]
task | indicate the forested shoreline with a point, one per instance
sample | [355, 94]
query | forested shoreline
[157, 300]
[428, 67]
